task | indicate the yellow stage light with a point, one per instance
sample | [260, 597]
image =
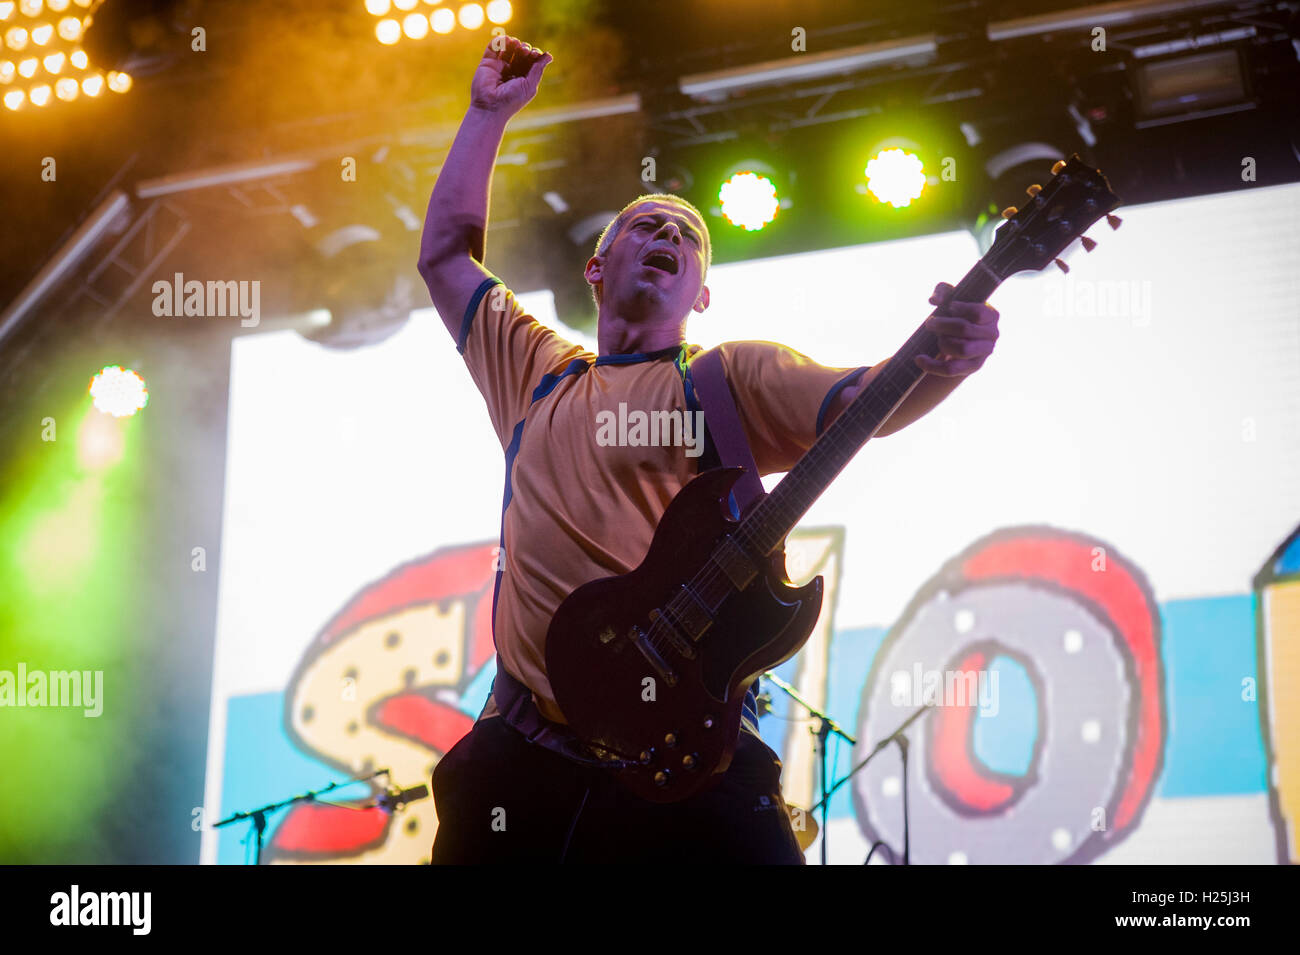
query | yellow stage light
[42, 34]
[405, 4]
[39, 95]
[14, 98]
[66, 89]
[442, 21]
[56, 6]
[30, 8]
[70, 28]
[92, 85]
[79, 59]
[499, 11]
[54, 63]
[119, 82]
[388, 32]
[28, 67]
[416, 26]
[748, 200]
[16, 38]
[6, 9]
[377, 7]
[470, 16]
[7, 71]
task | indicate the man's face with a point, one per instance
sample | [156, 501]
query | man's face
[654, 269]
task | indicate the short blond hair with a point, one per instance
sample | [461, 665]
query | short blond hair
[611, 231]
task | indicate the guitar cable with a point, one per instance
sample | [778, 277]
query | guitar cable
[564, 850]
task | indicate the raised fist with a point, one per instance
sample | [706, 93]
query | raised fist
[506, 78]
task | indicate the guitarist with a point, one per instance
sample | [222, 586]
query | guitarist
[579, 506]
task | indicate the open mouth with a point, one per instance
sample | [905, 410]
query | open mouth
[661, 262]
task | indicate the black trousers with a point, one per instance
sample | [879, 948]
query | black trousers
[501, 798]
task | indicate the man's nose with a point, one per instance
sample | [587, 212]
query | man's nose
[672, 231]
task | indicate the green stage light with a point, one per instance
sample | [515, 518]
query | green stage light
[118, 392]
[748, 200]
[895, 177]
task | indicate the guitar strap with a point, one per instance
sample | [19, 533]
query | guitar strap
[706, 377]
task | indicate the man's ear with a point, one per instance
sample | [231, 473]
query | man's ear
[592, 272]
[702, 302]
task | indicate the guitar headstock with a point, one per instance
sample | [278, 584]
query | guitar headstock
[1037, 232]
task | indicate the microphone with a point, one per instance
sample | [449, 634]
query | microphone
[390, 801]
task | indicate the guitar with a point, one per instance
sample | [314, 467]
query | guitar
[651, 668]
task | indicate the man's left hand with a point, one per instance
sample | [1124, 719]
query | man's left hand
[966, 333]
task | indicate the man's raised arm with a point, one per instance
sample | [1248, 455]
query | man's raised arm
[451, 246]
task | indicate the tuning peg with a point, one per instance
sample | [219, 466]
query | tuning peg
[1060, 164]
[1009, 211]
[1061, 265]
[1034, 190]
[1087, 243]
[1113, 221]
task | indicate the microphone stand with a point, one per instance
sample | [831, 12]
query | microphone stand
[258, 816]
[825, 727]
[894, 737]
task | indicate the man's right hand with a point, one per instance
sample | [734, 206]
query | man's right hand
[488, 91]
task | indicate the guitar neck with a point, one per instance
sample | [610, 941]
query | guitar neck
[765, 528]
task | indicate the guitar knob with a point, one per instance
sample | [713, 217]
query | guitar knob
[1087, 243]
[1060, 164]
[661, 778]
[1113, 221]
[688, 762]
[708, 722]
[670, 739]
[1034, 190]
[1061, 265]
[1009, 211]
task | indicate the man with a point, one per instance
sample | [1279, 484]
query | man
[578, 507]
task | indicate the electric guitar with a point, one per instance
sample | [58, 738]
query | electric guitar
[651, 668]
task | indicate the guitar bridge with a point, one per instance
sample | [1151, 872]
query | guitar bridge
[660, 665]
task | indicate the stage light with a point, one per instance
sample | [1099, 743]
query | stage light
[470, 16]
[66, 89]
[84, 3]
[54, 63]
[69, 28]
[39, 95]
[27, 67]
[748, 201]
[7, 71]
[14, 98]
[377, 7]
[42, 34]
[119, 82]
[100, 442]
[416, 26]
[6, 10]
[92, 85]
[56, 6]
[16, 38]
[442, 21]
[499, 11]
[118, 392]
[388, 32]
[895, 177]
[30, 8]
[79, 59]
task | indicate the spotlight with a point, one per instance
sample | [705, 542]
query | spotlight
[416, 26]
[118, 391]
[499, 11]
[470, 16]
[388, 32]
[442, 20]
[895, 177]
[748, 200]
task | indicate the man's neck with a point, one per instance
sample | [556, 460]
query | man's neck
[617, 336]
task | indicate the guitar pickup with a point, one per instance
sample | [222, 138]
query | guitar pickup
[732, 560]
[663, 623]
